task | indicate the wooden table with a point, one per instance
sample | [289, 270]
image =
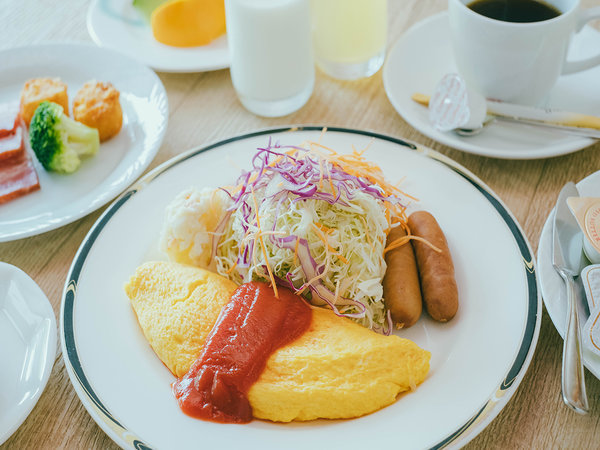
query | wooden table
[204, 109]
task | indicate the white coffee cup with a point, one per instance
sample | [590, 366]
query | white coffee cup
[516, 62]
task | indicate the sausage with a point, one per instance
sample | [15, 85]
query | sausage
[401, 290]
[436, 270]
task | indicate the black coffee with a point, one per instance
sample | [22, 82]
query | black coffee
[515, 10]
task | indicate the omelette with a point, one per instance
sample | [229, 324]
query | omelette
[335, 370]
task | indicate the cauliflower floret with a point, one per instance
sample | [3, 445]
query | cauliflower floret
[190, 222]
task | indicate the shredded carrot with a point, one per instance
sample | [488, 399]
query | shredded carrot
[291, 153]
[262, 245]
[275, 161]
[243, 243]
[333, 250]
[232, 190]
[333, 192]
[301, 291]
[318, 144]
[367, 231]
[296, 249]
[323, 227]
[254, 253]
[400, 191]
[232, 268]
[321, 173]
[357, 165]
[396, 243]
[323, 131]
[404, 239]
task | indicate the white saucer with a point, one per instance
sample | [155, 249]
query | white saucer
[63, 199]
[423, 55]
[27, 349]
[551, 284]
[116, 24]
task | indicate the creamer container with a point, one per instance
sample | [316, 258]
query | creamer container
[349, 36]
[270, 47]
[454, 105]
[590, 278]
[587, 212]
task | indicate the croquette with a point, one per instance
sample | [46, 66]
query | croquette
[97, 105]
[38, 90]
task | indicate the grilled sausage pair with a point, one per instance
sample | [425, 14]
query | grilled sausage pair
[423, 276]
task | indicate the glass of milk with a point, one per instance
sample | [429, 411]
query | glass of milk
[349, 36]
[272, 67]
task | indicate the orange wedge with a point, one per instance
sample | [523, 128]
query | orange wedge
[188, 23]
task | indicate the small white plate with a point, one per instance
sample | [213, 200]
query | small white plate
[27, 349]
[553, 287]
[423, 55]
[118, 25]
[119, 161]
[478, 359]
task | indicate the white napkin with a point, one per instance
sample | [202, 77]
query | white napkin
[590, 276]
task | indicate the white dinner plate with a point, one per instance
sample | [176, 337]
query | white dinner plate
[553, 287]
[478, 359]
[119, 161]
[423, 55]
[118, 25]
[27, 349]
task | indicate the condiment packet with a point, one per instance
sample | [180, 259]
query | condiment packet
[587, 212]
[590, 277]
[454, 105]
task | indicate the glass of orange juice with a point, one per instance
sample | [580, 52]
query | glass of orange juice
[349, 36]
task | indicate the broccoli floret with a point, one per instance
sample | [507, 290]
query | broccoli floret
[59, 141]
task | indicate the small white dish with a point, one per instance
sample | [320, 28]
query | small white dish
[63, 199]
[116, 24]
[553, 287]
[28, 350]
[423, 55]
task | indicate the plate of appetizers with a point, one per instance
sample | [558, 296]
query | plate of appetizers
[85, 121]
[423, 55]
[28, 351]
[120, 25]
[552, 285]
[300, 210]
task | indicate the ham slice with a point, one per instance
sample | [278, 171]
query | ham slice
[9, 118]
[17, 172]
[11, 145]
[17, 177]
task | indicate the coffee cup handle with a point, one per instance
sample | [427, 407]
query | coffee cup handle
[583, 64]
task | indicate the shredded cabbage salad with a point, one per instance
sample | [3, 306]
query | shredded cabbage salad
[309, 219]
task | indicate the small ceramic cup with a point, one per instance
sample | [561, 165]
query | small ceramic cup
[517, 62]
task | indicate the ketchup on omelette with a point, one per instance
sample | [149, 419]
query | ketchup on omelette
[249, 329]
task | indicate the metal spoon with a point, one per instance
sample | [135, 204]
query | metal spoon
[467, 132]
[574, 131]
